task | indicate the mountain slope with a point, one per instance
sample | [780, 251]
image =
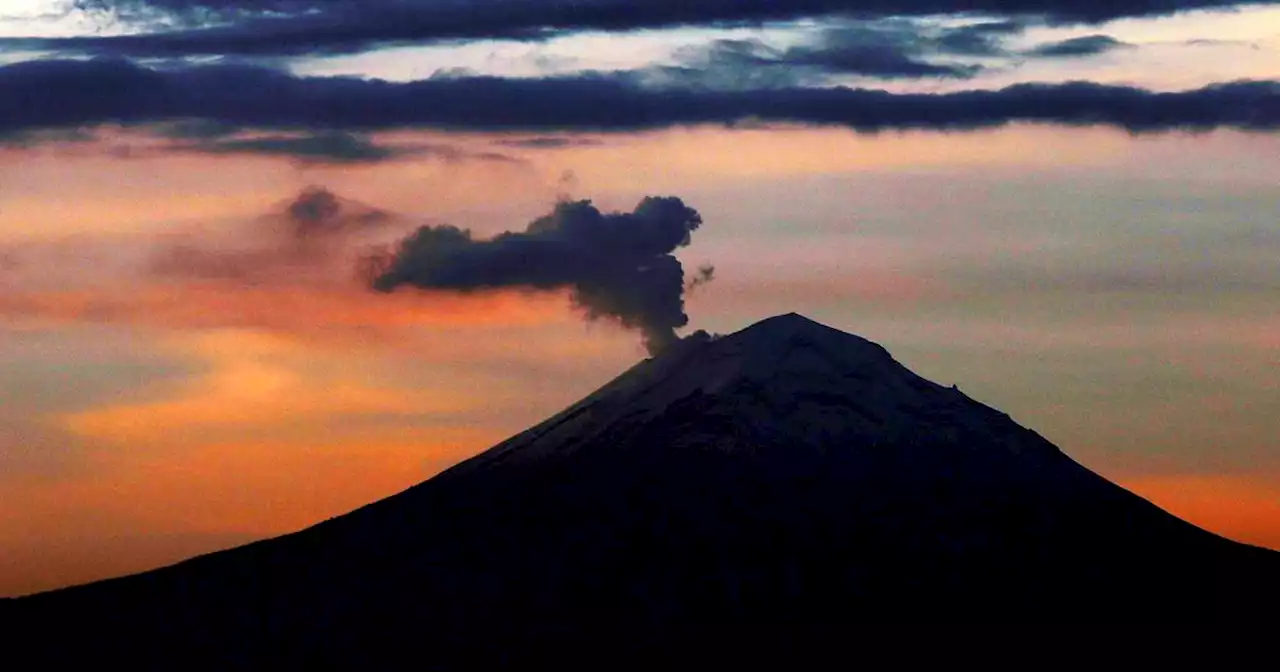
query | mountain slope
[786, 476]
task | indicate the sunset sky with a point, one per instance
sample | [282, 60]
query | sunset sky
[1067, 209]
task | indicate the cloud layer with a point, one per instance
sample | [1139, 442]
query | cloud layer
[891, 49]
[45, 95]
[296, 27]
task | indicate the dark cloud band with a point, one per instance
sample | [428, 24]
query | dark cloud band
[297, 27]
[49, 95]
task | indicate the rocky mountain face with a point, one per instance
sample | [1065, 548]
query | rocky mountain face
[788, 478]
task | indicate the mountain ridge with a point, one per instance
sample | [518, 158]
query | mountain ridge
[783, 476]
[783, 335]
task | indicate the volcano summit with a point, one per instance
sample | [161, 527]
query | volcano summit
[788, 476]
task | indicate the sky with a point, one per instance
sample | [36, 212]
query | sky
[265, 261]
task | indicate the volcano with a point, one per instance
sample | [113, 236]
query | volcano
[789, 477]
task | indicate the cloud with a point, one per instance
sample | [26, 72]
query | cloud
[296, 270]
[29, 139]
[548, 142]
[751, 63]
[978, 39]
[297, 27]
[309, 240]
[895, 48]
[327, 147]
[307, 148]
[45, 95]
[195, 129]
[1079, 47]
[616, 265]
[892, 49]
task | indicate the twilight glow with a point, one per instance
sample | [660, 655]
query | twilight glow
[1070, 216]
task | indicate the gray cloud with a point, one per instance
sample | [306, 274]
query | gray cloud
[308, 238]
[305, 148]
[297, 27]
[323, 147]
[983, 38]
[330, 147]
[900, 49]
[1079, 47]
[50, 95]
[618, 266]
[22, 138]
[548, 142]
[879, 50]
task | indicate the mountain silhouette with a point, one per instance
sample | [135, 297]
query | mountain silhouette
[788, 478]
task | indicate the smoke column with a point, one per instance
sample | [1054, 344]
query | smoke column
[617, 265]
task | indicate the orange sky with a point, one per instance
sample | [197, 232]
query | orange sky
[1116, 294]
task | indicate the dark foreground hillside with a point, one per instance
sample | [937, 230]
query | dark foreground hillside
[788, 480]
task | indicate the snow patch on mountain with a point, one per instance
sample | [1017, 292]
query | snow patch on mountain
[778, 375]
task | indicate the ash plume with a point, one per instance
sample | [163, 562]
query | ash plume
[705, 274]
[318, 212]
[617, 266]
[306, 237]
